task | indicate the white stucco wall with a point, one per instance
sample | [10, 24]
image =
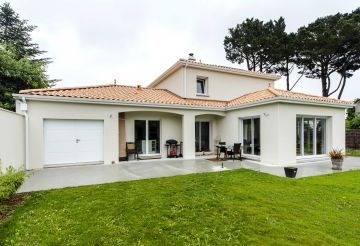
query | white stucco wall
[335, 129]
[174, 83]
[223, 86]
[230, 131]
[12, 139]
[277, 126]
[278, 129]
[40, 110]
[220, 85]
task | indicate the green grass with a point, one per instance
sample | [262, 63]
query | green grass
[352, 152]
[225, 208]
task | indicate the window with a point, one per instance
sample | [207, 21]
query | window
[310, 136]
[201, 86]
[251, 136]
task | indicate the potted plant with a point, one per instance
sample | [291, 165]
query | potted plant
[337, 158]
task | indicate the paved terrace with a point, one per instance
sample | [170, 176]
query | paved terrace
[60, 177]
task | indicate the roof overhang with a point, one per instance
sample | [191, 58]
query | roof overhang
[180, 106]
[185, 63]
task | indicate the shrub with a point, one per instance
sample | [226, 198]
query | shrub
[10, 181]
[336, 154]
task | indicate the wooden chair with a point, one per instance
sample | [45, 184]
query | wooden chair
[235, 151]
[131, 149]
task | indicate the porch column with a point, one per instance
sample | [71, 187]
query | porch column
[188, 135]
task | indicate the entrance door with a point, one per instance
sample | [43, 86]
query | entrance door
[202, 136]
[251, 136]
[147, 136]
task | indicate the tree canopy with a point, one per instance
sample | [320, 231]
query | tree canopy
[330, 45]
[20, 64]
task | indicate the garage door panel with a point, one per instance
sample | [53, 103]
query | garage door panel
[73, 141]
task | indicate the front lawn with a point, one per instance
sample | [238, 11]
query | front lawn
[352, 152]
[223, 208]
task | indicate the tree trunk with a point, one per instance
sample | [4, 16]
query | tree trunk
[342, 87]
[287, 76]
[325, 92]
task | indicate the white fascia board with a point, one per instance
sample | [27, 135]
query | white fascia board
[179, 106]
[289, 101]
[114, 102]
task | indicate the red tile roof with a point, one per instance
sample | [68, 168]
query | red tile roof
[162, 96]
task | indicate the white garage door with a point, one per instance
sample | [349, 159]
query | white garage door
[73, 141]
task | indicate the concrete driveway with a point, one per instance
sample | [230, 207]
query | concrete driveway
[60, 177]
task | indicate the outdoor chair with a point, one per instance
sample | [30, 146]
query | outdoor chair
[223, 150]
[131, 149]
[236, 151]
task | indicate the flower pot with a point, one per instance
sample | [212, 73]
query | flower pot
[337, 164]
[290, 172]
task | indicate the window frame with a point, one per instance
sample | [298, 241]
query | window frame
[241, 139]
[205, 83]
[325, 134]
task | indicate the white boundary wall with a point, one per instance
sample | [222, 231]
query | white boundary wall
[12, 139]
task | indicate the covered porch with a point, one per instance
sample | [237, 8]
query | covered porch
[149, 133]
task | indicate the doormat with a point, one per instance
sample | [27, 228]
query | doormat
[215, 160]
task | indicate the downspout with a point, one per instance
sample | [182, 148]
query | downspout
[23, 108]
[185, 80]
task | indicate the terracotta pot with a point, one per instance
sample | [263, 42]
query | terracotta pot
[337, 164]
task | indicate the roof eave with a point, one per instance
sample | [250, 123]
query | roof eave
[291, 101]
[181, 106]
[181, 63]
[113, 102]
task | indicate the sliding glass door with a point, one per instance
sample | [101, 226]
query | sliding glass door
[147, 136]
[310, 136]
[202, 136]
[251, 136]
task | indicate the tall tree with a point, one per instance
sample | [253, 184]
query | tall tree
[18, 74]
[16, 31]
[329, 46]
[264, 47]
[20, 64]
[247, 42]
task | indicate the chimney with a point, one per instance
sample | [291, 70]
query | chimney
[191, 57]
[138, 87]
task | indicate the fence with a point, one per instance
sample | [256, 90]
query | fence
[353, 138]
[12, 139]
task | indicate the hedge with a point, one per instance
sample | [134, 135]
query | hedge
[10, 181]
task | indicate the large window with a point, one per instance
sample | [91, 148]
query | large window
[310, 136]
[251, 136]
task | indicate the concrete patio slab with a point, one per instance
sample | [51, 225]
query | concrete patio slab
[60, 177]
[305, 169]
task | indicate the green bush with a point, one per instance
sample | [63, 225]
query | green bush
[10, 181]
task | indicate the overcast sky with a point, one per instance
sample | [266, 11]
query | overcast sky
[94, 42]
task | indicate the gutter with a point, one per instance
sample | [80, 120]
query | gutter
[115, 102]
[180, 106]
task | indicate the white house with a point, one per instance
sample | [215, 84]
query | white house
[195, 103]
